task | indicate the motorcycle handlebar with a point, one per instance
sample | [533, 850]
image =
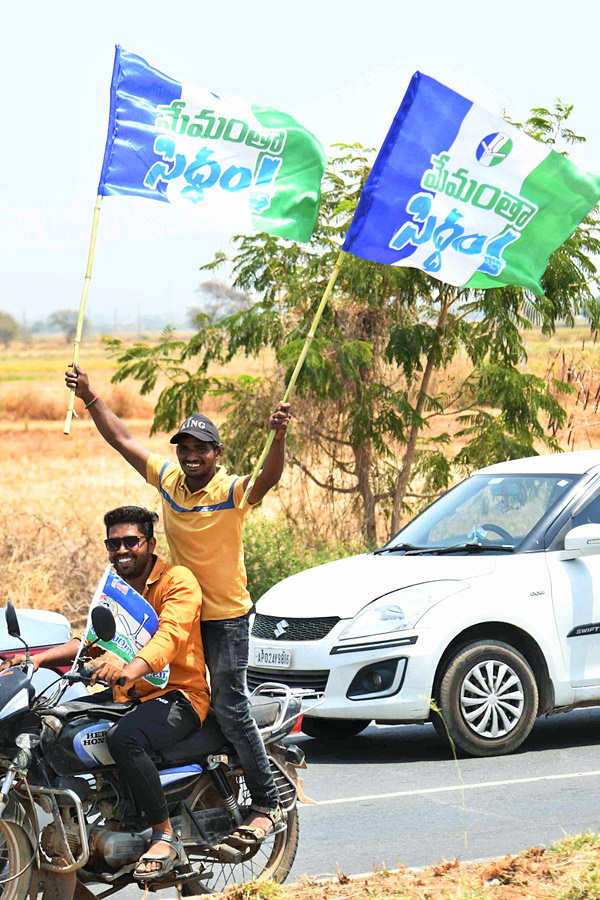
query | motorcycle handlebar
[84, 675]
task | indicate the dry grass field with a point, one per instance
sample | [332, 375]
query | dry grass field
[55, 489]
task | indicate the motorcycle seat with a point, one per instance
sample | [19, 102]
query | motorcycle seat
[265, 710]
[210, 739]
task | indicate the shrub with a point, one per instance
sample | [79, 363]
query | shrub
[276, 549]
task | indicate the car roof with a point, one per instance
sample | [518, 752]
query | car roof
[576, 463]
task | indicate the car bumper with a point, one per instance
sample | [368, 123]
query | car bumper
[347, 672]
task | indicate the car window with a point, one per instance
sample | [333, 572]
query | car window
[588, 515]
[500, 510]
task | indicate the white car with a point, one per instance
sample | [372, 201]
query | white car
[487, 605]
[40, 629]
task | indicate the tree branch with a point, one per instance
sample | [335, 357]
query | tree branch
[327, 487]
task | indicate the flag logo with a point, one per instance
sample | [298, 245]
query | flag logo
[493, 149]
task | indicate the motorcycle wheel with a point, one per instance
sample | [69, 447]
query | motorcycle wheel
[15, 853]
[272, 860]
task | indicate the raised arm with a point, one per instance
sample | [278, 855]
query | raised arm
[114, 432]
[271, 471]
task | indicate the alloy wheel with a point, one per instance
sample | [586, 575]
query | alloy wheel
[492, 699]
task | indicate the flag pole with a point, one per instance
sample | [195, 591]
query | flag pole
[296, 372]
[84, 293]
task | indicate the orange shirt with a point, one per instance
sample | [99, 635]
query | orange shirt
[204, 532]
[174, 594]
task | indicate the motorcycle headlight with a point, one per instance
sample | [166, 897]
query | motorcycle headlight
[401, 609]
[27, 741]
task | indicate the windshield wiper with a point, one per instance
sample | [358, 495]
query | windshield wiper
[468, 547]
[393, 549]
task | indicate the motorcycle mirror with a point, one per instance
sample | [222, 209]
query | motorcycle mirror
[12, 623]
[103, 623]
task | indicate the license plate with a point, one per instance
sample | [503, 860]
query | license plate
[272, 659]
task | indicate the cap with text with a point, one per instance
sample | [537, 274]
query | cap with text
[197, 426]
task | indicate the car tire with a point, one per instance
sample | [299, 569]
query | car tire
[333, 729]
[488, 698]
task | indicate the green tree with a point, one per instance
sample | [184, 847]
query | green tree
[379, 371]
[9, 328]
[217, 301]
[65, 321]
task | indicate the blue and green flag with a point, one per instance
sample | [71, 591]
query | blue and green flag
[459, 193]
[248, 165]
[136, 622]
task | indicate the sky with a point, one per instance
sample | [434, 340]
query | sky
[341, 67]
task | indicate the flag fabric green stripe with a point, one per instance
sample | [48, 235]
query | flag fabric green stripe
[294, 206]
[564, 196]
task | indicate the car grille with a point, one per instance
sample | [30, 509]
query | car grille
[314, 680]
[296, 630]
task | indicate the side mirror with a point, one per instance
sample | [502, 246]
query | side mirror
[584, 540]
[12, 623]
[103, 623]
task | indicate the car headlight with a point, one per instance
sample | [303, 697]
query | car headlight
[401, 609]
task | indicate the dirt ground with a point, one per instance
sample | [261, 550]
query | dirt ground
[569, 870]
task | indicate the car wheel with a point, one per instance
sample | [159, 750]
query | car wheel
[333, 729]
[488, 698]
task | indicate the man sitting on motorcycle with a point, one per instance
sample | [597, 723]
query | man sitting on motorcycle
[165, 715]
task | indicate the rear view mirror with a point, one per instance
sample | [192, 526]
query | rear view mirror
[584, 540]
[103, 623]
[12, 623]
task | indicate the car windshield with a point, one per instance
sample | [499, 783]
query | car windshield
[495, 511]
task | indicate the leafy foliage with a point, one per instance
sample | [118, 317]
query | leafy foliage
[275, 550]
[369, 389]
[65, 321]
[9, 328]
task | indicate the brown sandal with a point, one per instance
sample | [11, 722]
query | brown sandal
[251, 835]
[167, 863]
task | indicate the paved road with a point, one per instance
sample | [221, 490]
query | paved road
[393, 794]
[548, 788]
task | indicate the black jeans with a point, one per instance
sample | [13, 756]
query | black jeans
[226, 652]
[153, 725]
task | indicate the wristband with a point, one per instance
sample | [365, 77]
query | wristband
[93, 400]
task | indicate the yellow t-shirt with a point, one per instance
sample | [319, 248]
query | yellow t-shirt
[204, 532]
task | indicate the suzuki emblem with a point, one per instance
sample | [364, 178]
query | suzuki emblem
[280, 628]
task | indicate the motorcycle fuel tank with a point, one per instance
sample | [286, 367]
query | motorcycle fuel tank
[80, 747]
[14, 692]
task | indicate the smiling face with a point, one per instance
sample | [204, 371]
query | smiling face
[134, 562]
[198, 460]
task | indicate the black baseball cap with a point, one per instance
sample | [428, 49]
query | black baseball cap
[198, 426]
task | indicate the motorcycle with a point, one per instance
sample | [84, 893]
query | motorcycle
[67, 820]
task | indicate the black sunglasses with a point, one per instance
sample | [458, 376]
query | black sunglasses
[130, 541]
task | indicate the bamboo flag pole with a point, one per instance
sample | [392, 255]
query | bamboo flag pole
[84, 293]
[296, 372]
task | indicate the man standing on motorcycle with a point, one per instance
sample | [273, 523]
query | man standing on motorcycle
[203, 526]
[165, 715]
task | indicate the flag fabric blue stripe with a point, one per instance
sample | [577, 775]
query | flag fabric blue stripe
[129, 152]
[404, 156]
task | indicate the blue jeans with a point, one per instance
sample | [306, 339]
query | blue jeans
[226, 653]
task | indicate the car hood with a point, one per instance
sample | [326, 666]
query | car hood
[343, 587]
[39, 628]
